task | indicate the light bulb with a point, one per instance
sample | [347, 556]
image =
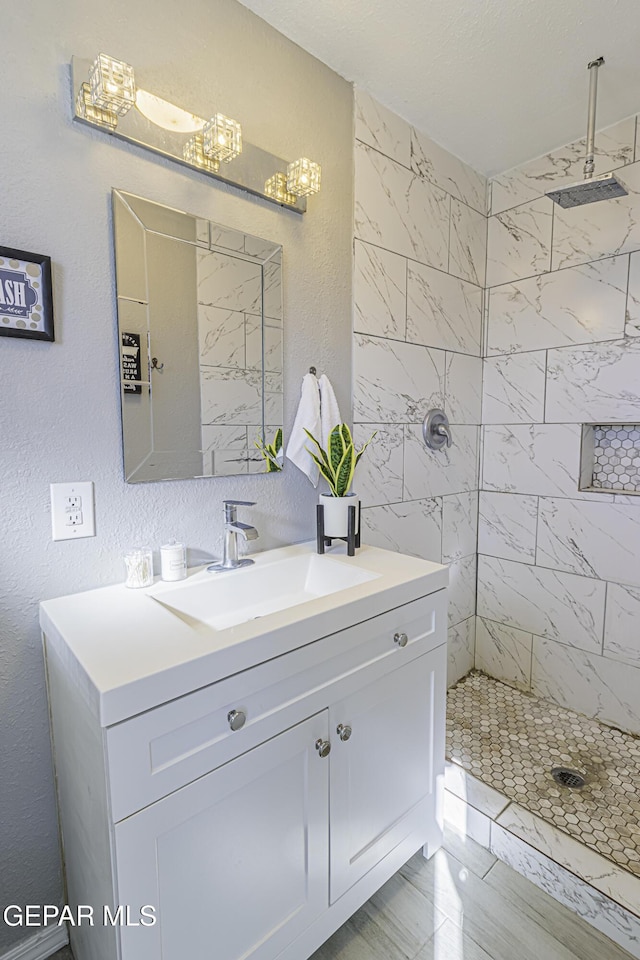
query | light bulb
[112, 84]
[222, 138]
[303, 177]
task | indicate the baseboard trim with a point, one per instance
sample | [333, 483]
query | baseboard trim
[40, 945]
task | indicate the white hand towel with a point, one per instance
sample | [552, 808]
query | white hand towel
[329, 409]
[307, 418]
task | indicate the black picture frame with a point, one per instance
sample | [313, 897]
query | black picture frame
[26, 296]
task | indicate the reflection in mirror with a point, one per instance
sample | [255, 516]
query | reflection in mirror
[200, 330]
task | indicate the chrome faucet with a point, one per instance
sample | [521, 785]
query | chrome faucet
[232, 529]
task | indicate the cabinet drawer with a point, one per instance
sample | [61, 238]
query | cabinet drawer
[161, 750]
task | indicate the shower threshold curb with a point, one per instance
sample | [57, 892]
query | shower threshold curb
[603, 894]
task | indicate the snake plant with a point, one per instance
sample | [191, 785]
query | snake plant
[338, 462]
[272, 452]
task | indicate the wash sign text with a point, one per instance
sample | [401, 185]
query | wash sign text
[17, 296]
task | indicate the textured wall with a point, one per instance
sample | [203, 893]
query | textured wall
[60, 408]
[559, 569]
[419, 264]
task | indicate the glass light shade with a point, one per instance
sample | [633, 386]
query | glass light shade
[112, 84]
[194, 153]
[88, 111]
[222, 138]
[303, 177]
[276, 187]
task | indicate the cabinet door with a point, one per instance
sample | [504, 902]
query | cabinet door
[383, 775]
[236, 863]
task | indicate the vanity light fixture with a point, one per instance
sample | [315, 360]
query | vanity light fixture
[106, 97]
[222, 138]
[194, 153]
[303, 177]
[112, 84]
[276, 187]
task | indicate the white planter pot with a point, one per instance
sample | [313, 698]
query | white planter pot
[336, 513]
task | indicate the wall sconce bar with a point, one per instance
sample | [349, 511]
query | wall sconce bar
[249, 171]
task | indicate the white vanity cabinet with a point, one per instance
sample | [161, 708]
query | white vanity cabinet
[258, 812]
[237, 861]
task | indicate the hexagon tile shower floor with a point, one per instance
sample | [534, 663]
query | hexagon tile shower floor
[512, 740]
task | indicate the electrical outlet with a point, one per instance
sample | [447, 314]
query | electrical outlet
[72, 512]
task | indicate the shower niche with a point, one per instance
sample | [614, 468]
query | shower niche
[610, 458]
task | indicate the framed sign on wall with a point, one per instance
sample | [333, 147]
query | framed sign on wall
[131, 363]
[26, 303]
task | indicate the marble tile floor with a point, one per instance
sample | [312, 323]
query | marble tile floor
[510, 740]
[463, 904]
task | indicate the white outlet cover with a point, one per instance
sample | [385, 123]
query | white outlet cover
[65, 512]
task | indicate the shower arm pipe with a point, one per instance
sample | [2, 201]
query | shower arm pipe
[589, 165]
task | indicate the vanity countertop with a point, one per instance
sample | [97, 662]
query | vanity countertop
[127, 652]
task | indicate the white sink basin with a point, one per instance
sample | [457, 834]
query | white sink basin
[222, 600]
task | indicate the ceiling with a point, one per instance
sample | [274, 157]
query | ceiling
[496, 82]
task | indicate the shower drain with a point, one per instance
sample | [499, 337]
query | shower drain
[568, 778]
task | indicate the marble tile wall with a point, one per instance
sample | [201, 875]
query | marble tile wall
[558, 599]
[234, 351]
[419, 272]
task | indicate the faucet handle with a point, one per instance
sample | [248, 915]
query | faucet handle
[230, 512]
[436, 431]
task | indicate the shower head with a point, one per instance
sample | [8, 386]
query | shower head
[606, 187]
[591, 189]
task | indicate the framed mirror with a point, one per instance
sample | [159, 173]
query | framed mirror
[200, 329]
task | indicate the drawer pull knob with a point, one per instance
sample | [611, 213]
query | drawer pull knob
[323, 747]
[401, 639]
[237, 719]
[343, 731]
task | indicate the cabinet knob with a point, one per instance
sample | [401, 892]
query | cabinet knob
[237, 719]
[401, 639]
[343, 731]
[323, 747]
